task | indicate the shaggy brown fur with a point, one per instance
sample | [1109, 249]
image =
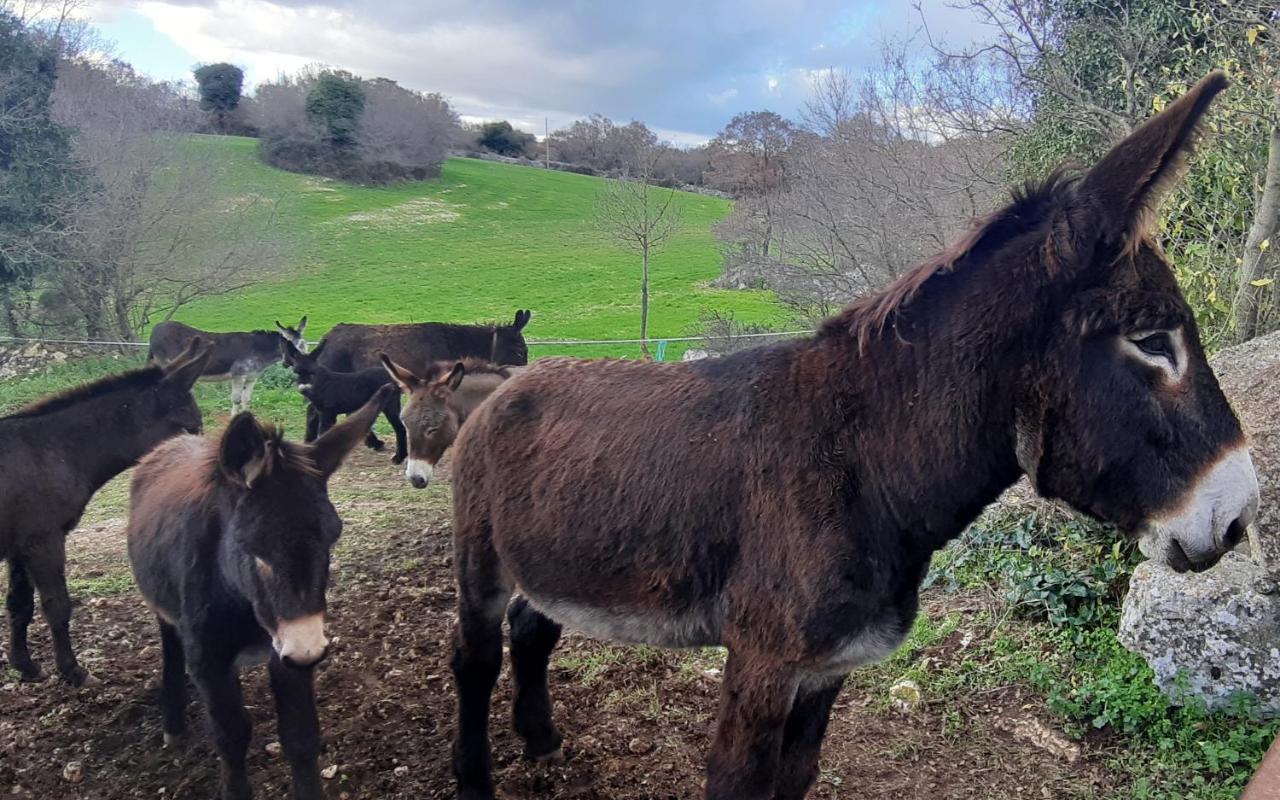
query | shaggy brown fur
[785, 501]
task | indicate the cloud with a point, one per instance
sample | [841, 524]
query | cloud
[683, 67]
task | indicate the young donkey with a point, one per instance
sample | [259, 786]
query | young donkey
[54, 454]
[238, 357]
[438, 403]
[785, 501]
[332, 393]
[230, 542]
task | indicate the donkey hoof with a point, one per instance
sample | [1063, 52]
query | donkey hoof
[30, 672]
[79, 676]
[554, 757]
[377, 445]
[397, 459]
[172, 740]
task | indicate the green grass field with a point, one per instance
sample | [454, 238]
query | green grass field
[476, 244]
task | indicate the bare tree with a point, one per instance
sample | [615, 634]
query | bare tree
[154, 228]
[641, 217]
[876, 178]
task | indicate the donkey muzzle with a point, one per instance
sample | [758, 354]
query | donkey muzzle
[1212, 518]
[418, 472]
[301, 642]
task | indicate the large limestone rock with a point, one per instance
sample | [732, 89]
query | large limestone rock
[1250, 376]
[1216, 633]
[1210, 635]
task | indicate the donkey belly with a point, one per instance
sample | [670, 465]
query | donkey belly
[695, 627]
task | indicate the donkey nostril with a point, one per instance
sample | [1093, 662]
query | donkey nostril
[1234, 535]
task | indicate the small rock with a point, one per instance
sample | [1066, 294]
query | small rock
[330, 772]
[401, 771]
[906, 696]
[1032, 730]
[73, 772]
[273, 748]
[639, 746]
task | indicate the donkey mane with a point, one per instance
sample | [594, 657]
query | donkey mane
[134, 379]
[281, 453]
[867, 317]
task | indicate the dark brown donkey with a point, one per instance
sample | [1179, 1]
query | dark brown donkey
[437, 403]
[351, 348]
[230, 542]
[785, 501]
[54, 454]
[331, 393]
[237, 357]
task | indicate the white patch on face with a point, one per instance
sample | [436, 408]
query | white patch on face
[1174, 366]
[1224, 494]
[418, 472]
[301, 640]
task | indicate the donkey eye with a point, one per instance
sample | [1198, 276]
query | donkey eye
[1156, 344]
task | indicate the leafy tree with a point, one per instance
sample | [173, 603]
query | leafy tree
[220, 87]
[503, 139]
[37, 174]
[335, 104]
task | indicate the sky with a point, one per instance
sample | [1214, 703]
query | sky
[684, 67]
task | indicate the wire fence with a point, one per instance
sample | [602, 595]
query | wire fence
[530, 342]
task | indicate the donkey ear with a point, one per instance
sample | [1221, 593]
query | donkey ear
[1130, 181]
[522, 319]
[331, 448]
[302, 325]
[403, 378]
[244, 455]
[183, 372]
[454, 378]
[288, 352]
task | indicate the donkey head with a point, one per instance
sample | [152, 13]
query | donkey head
[294, 336]
[509, 346]
[304, 365]
[430, 421]
[282, 525]
[1120, 414]
[169, 408]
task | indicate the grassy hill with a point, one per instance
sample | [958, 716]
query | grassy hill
[476, 244]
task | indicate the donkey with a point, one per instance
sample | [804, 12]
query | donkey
[351, 348]
[54, 454]
[785, 501]
[332, 393]
[437, 405]
[229, 542]
[237, 357]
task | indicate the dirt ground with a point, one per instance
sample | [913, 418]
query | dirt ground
[636, 720]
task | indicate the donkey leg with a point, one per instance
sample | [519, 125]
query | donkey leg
[802, 738]
[237, 394]
[246, 391]
[219, 687]
[48, 572]
[533, 637]
[299, 724]
[21, 602]
[402, 448]
[313, 424]
[173, 684]
[755, 701]
[477, 659]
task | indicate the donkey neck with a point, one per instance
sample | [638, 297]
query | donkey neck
[924, 410]
[102, 436]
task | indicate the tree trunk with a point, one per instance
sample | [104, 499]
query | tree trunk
[644, 300]
[1251, 302]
